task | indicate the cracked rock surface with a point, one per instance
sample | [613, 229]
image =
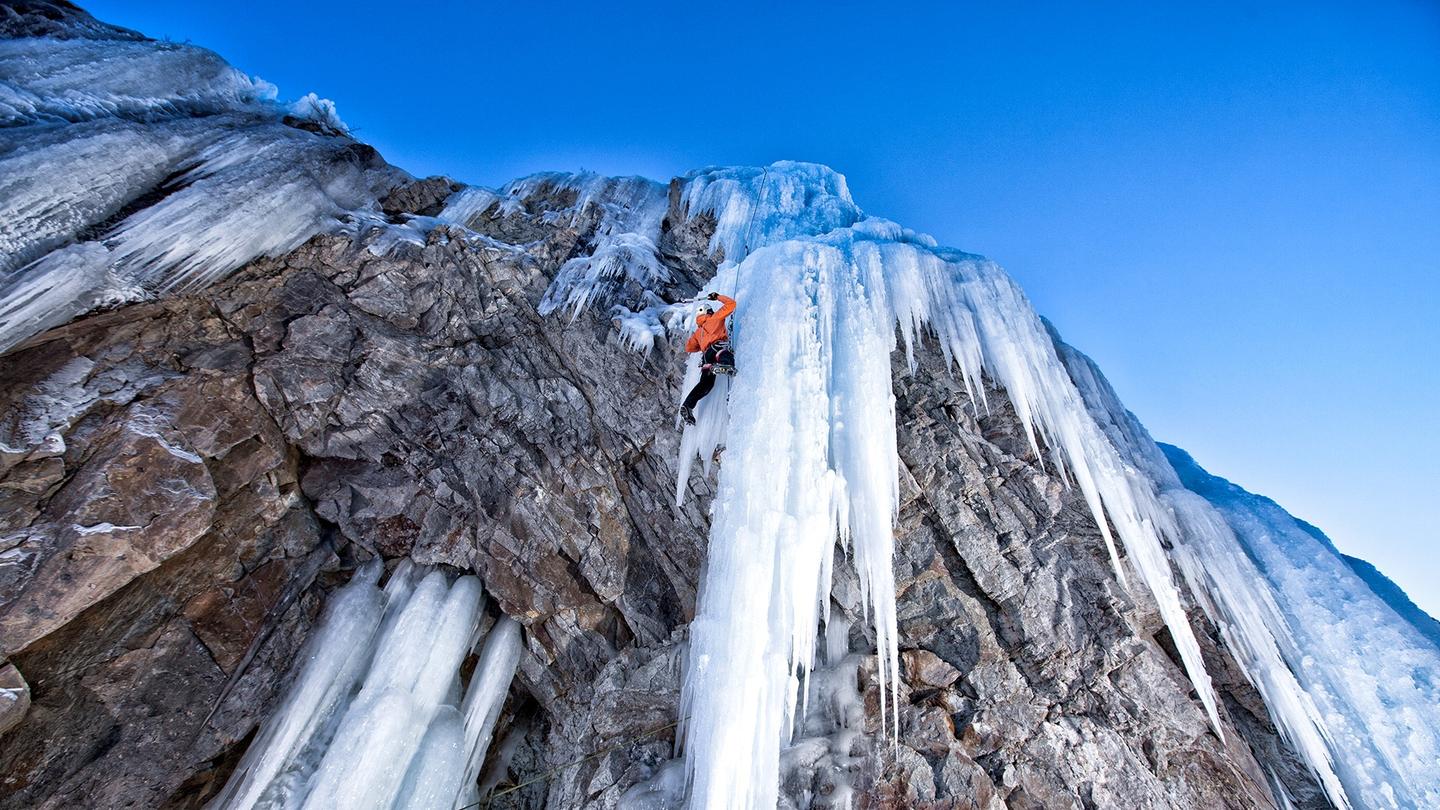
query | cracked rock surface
[182, 481]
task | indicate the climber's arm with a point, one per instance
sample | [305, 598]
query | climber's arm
[729, 305]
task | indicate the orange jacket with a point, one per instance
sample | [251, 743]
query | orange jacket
[711, 328]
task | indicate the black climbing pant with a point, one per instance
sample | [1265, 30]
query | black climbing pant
[716, 353]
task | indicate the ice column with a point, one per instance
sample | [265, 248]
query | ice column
[372, 719]
[810, 449]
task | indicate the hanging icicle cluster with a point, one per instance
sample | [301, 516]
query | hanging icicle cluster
[375, 716]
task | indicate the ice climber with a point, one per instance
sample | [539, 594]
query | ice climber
[713, 339]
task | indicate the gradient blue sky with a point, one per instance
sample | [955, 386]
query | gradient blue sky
[1234, 209]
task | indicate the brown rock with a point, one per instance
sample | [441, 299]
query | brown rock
[140, 498]
[924, 669]
[421, 197]
[14, 697]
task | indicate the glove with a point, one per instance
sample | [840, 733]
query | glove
[714, 296]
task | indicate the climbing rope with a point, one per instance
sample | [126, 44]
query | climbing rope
[485, 802]
[750, 230]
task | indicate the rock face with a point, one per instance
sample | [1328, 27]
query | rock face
[14, 697]
[183, 481]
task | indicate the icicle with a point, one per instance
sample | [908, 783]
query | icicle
[384, 731]
[333, 662]
[811, 457]
[488, 687]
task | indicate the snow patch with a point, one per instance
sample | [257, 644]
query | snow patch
[51, 406]
[102, 528]
[321, 111]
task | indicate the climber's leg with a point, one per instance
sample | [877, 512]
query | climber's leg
[707, 381]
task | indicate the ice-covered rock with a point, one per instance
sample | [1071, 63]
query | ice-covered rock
[432, 412]
[132, 167]
[308, 362]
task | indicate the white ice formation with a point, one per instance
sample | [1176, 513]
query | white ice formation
[1350, 685]
[810, 456]
[374, 716]
[131, 167]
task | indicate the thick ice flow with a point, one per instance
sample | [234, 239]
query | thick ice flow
[823, 292]
[488, 686]
[437, 773]
[371, 719]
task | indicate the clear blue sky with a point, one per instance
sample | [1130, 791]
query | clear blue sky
[1235, 210]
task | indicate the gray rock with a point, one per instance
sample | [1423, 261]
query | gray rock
[331, 404]
[421, 198]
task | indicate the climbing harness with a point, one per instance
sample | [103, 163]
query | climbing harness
[720, 349]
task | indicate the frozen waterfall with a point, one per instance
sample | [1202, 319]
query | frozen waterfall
[810, 457]
[808, 429]
[374, 717]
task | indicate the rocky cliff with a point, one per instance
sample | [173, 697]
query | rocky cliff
[186, 475]
[189, 477]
